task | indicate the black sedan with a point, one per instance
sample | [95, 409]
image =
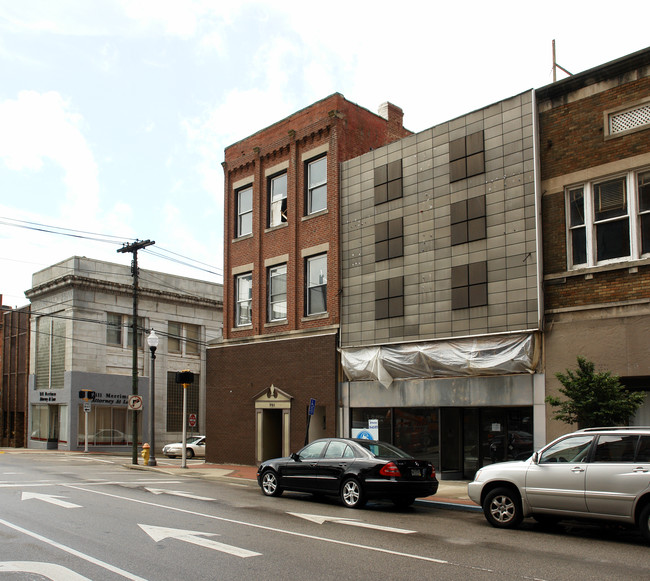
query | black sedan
[354, 470]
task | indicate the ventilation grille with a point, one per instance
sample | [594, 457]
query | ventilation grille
[629, 119]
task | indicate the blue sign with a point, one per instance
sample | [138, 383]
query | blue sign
[312, 406]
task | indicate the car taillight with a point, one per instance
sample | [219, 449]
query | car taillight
[390, 469]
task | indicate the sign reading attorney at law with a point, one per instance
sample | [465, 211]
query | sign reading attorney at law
[369, 433]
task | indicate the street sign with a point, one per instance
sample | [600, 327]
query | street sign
[135, 402]
[192, 420]
[87, 407]
[312, 406]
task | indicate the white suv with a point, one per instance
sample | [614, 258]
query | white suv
[596, 473]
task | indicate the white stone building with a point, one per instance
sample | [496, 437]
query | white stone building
[82, 339]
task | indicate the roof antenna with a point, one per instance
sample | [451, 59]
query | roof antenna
[556, 66]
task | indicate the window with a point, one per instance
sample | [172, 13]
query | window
[175, 402]
[317, 284]
[278, 200]
[277, 293]
[469, 285]
[50, 353]
[468, 220]
[466, 157]
[616, 448]
[389, 298]
[572, 449]
[244, 212]
[115, 325]
[389, 239]
[317, 185]
[183, 338]
[629, 120]
[388, 182]
[609, 220]
[244, 297]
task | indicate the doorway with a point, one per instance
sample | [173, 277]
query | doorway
[53, 427]
[272, 422]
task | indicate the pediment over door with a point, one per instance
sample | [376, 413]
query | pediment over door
[273, 397]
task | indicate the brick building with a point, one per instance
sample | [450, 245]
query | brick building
[14, 368]
[441, 295]
[282, 279]
[595, 163]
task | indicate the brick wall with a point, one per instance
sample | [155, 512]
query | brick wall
[347, 130]
[304, 368]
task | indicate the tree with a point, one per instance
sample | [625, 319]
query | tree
[594, 399]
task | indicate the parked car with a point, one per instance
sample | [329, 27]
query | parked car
[596, 473]
[355, 470]
[195, 447]
[107, 437]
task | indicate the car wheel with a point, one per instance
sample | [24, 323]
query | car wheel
[403, 501]
[270, 486]
[644, 522]
[502, 508]
[352, 494]
[189, 453]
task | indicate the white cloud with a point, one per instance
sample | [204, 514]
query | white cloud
[39, 126]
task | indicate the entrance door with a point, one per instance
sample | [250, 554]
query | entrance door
[451, 443]
[53, 427]
[271, 434]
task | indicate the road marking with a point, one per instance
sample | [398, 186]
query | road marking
[56, 500]
[72, 551]
[349, 521]
[177, 493]
[89, 482]
[49, 570]
[194, 537]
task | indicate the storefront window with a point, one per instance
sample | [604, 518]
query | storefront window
[416, 432]
[107, 426]
[376, 421]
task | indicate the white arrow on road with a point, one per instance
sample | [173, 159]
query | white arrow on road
[49, 498]
[48, 570]
[194, 537]
[177, 493]
[351, 522]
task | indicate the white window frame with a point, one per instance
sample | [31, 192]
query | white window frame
[244, 213]
[276, 215]
[126, 338]
[313, 186]
[632, 215]
[277, 296]
[188, 346]
[243, 304]
[310, 284]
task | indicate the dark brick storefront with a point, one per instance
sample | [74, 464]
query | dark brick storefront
[303, 368]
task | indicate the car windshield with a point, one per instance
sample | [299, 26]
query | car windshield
[382, 449]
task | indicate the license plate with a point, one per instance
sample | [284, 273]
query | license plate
[415, 472]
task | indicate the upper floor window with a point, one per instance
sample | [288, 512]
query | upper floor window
[389, 239]
[468, 221]
[469, 285]
[278, 200]
[50, 353]
[317, 284]
[388, 182]
[389, 298]
[117, 324]
[466, 157]
[624, 121]
[317, 185]
[244, 212]
[244, 299]
[609, 220]
[183, 338]
[277, 310]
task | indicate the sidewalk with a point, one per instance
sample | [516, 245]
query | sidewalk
[452, 494]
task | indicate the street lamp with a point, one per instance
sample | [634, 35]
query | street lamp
[152, 341]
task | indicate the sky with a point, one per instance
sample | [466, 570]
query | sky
[114, 114]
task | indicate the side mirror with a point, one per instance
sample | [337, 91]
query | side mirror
[536, 458]
[295, 457]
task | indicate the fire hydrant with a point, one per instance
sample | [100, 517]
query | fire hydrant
[145, 453]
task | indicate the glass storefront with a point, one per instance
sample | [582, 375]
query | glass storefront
[107, 426]
[457, 440]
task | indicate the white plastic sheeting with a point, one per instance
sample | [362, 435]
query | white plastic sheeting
[500, 355]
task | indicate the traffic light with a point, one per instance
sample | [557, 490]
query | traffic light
[86, 394]
[184, 377]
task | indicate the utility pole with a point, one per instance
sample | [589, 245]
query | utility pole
[133, 248]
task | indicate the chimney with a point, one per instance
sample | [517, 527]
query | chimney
[395, 117]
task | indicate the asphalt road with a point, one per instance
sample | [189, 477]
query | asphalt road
[72, 517]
